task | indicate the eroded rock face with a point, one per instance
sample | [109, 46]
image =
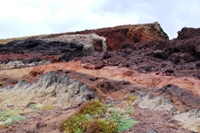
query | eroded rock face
[183, 99]
[128, 33]
[50, 89]
[65, 47]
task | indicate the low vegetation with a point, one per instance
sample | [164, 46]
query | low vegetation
[5, 41]
[7, 117]
[1, 83]
[95, 117]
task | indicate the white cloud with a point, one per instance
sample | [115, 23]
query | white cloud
[30, 17]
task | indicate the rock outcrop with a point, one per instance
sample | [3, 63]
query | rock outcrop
[187, 33]
[65, 47]
[50, 89]
[127, 33]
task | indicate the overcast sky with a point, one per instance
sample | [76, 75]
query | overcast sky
[32, 17]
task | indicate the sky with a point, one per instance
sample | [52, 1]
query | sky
[32, 17]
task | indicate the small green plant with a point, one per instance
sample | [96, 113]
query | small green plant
[1, 83]
[32, 106]
[121, 117]
[130, 99]
[7, 117]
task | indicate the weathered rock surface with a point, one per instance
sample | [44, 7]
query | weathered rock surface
[127, 33]
[183, 99]
[190, 120]
[50, 89]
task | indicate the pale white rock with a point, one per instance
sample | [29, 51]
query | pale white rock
[86, 39]
[190, 120]
[156, 103]
[50, 89]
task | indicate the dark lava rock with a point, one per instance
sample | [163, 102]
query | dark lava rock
[98, 45]
[179, 55]
[39, 50]
[159, 54]
[106, 55]
[187, 33]
[40, 125]
[174, 58]
[160, 45]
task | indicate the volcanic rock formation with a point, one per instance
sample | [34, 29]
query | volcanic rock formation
[65, 70]
[64, 47]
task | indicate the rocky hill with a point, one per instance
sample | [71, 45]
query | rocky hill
[47, 79]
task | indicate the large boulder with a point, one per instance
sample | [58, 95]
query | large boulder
[91, 42]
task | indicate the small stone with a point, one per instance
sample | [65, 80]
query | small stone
[152, 131]
[10, 105]
[172, 125]
[109, 100]
[53, 127]
[40, 125]
[105, 55]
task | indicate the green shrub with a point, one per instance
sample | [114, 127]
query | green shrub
[93, 107]
[76, 124]
[92, 117]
